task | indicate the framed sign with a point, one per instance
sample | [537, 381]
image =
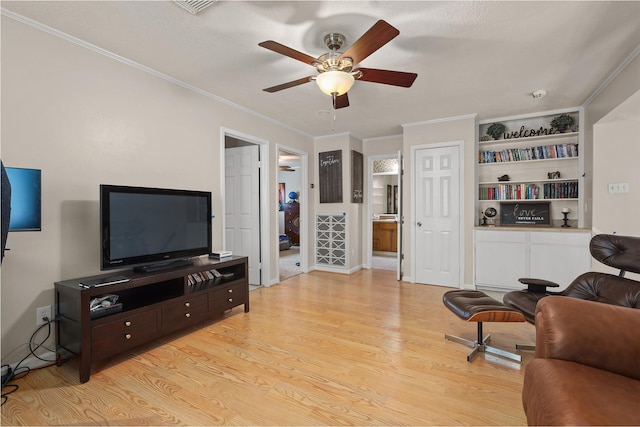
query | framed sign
[525, 213]
[330, 174]
[357, 195]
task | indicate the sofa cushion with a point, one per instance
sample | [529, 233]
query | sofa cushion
[561, 392]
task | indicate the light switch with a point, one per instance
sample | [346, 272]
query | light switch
[619, 187]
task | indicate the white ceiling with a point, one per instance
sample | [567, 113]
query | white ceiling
[471, 57]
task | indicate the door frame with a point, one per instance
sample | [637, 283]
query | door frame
[304, 210]
[368, 245]
[264, 214]
[412, 205]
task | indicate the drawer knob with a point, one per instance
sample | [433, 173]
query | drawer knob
[128, 336]
[187, 304]
[187, 315]
[230, 299]
[127, 323]
[230, 291]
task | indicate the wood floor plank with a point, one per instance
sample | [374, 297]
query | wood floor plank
[317, 349]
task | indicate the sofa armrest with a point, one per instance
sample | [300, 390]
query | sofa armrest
[600, 335]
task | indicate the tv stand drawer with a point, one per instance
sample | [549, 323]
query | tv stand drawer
[180, 314]
[122, 334]
[227, 297]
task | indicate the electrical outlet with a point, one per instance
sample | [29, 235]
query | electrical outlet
[41, 313]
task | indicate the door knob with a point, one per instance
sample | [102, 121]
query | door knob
[419, 224]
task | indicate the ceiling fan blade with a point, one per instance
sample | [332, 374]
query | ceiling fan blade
[287, 51]
[341, 101]
[288, 84]
[387, 77]
[377, 36]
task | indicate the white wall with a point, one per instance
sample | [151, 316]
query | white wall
[612, 129]
[616, 156]
[625, 83]
[86, 120]
[353, 211]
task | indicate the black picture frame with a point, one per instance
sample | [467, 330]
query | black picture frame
[357, 177]
[330, 174]
[525, 214]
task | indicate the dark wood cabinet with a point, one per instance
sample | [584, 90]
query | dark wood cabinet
[385, 236]
[152, 305]
[292, 222]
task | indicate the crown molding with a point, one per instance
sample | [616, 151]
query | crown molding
[442, 120]
[69, 38]
[612, 76]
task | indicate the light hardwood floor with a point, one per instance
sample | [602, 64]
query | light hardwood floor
[316, 349]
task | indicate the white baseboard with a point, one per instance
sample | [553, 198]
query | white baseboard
[33, 362]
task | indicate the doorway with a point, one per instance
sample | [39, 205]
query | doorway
[436, 207]
[244, 200]
[385, 213]
[292, 204]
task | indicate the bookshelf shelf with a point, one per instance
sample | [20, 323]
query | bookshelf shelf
[520, 167]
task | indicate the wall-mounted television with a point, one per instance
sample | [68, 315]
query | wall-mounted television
[26, 193]
[152, 228]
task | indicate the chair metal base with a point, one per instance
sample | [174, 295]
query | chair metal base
[526, 347]
[480, 346]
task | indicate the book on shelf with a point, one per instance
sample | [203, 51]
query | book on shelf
[543, 152]
[552, 190]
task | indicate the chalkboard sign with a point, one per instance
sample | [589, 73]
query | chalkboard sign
[357, 193]
[330, 174]
[525, 213]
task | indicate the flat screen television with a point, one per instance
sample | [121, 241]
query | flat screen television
[152, 229]
[26, 192]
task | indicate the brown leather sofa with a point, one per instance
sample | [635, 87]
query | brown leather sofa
[586, 369]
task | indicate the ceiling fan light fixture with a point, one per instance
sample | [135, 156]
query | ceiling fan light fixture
[338, 82]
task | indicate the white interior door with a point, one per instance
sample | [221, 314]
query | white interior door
[437, 216]
[242, 206]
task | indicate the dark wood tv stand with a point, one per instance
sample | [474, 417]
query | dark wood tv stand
[153, 305]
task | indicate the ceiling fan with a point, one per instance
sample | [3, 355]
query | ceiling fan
[336, 68]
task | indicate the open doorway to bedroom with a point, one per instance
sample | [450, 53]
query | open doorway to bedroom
[289, 213]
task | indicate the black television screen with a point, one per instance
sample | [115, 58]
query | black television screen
[25, 199]
[152, 226]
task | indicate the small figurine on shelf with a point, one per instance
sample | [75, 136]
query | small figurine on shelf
[565, 220]
[553, 175]
[504, 177]
[488, 215]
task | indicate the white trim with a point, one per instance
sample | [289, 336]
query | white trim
[529, 115]
[412, 226]
[368, 235]
[441, 120]
[265, 208]
[378, 138]
[148, 70]
[33, 362]
[612, 77]
[333, 135]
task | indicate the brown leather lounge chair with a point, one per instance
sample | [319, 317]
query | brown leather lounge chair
[620, 252]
